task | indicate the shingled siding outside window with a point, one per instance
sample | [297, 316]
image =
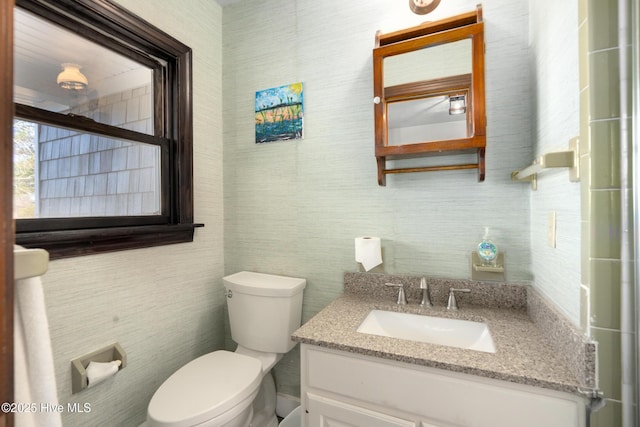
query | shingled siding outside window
[90, 175]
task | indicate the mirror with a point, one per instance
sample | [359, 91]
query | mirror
[429, 93]
[433, 62]
[426, 119]
[429, 117]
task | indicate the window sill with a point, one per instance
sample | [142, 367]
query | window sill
[73, 243]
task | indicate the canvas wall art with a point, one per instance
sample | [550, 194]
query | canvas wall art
[279, 113]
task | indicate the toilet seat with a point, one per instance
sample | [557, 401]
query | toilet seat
[205, 388]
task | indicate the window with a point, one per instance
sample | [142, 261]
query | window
[102, 130]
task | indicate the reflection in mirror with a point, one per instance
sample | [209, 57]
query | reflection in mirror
[411, 120]
[433, 62]
[425, 119]
[40, 50]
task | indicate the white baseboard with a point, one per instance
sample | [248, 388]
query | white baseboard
[285, 404]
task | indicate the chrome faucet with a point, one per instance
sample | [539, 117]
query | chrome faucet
[426, 301]
[452, 304]
[402, 298]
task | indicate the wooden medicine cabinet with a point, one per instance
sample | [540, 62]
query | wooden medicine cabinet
[429, 94]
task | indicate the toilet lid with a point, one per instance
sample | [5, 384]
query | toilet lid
[204, 388]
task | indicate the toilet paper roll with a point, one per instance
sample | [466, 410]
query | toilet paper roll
[99, 371]
[368, 252]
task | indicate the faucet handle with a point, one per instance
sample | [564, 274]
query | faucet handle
[452, 304]
[426, 301]
[402, 298]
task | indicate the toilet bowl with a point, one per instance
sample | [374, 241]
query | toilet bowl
[236, 389]
[188, 397]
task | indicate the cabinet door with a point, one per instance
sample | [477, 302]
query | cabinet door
[325, 412]
[440, 398]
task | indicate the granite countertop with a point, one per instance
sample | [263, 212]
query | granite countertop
[523, 353]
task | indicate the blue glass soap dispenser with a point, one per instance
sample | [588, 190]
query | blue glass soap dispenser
[487, 250]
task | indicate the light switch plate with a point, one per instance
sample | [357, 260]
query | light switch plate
[551, 229]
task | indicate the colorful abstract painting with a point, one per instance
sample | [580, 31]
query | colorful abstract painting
[279, 113]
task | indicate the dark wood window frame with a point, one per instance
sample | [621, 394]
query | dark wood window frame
[110, 25]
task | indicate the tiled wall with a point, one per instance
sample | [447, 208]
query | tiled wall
[605, 186]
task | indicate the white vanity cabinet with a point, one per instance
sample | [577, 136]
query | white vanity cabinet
[343, 389]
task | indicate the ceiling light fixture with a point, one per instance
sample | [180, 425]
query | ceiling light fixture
[457, 104]
[71, 78]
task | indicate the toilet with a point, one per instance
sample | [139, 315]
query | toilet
[236, 389]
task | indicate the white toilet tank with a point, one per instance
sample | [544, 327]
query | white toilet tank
[264, 310]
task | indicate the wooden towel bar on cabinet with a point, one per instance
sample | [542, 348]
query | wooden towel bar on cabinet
[383, 170]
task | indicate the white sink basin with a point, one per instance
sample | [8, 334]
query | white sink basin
[434, 330]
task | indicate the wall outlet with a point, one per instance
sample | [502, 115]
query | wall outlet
[551, 229]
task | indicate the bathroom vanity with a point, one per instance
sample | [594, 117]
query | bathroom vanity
[343, 388]
[359, 379]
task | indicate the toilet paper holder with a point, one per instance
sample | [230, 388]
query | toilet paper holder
[79, 366]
